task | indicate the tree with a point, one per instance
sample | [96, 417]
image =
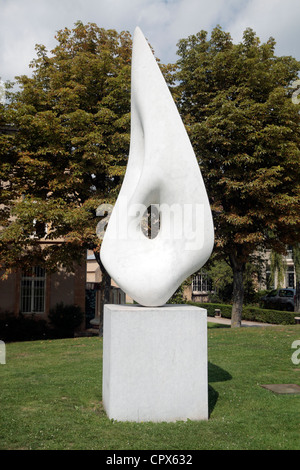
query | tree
[236, 102]
[70, 152]
[220, 275]
[277, 268]
[8, 193]
[296, 258]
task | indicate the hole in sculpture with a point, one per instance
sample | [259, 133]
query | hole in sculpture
[150, 223]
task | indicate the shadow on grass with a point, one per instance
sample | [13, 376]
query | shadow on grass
[215, 374]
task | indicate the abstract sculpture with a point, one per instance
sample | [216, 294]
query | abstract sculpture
[162, 171]
[155, 359]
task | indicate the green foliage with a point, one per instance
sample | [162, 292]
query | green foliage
[66, 318]
[70, 151]
[23, 328]
[220, 273]
[177, 297]
[276, 317]
[250, 313]
[51, 398]
[211, 307]
[73, 120]
[278, 269]
[296, 259]
[236, 102]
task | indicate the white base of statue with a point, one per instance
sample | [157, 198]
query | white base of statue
[155, 363]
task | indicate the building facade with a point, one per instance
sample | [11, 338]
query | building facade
[202, 286]
[36, 292]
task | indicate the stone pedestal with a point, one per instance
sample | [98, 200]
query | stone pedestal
[155, 363]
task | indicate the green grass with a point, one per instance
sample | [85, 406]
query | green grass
[50, 397]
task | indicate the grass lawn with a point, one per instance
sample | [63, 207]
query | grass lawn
[50, 397]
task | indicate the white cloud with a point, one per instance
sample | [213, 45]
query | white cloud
[24, 23]
[271, 18]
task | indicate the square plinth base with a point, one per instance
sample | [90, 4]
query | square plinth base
[155, 363]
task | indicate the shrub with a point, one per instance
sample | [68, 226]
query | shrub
[66, 318]
[276, 317]
[23, 328]
[211, 307]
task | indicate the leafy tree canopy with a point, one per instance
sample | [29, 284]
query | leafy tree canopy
[70, 151]
[236, 102]
[73, 120]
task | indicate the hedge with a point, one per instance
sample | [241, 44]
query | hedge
[23, 328]
[276, 317]
[64, 319]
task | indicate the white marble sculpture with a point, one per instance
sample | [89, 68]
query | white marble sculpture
[163, 171]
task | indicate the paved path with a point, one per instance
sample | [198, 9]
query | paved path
[227, 321]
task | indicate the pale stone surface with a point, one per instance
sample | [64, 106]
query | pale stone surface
[162, 170]
[283, 388]
[155, 363]
[2, 353]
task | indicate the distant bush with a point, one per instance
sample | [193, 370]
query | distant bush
[276, 317]
[23, 328]
[66, 318]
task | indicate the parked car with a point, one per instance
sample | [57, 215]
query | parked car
[280, 299]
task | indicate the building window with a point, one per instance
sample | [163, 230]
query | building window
[290, 276]
[202, 282]
[33, 286]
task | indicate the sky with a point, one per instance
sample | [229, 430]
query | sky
[25, 23]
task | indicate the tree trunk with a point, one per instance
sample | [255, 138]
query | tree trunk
[296, 259]
[104, 292]
[238, 269]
